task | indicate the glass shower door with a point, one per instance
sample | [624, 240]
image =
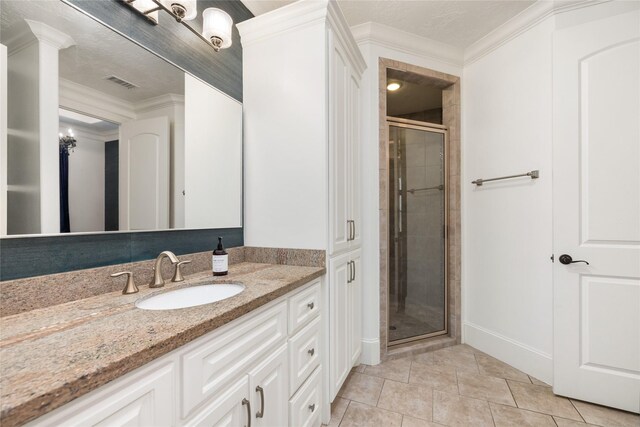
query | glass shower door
[417, 233]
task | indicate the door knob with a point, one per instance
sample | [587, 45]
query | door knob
[566, 260]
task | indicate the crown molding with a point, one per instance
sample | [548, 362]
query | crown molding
[302, 14]
[282, 20]
[528, 18]
[50, 35]
[37, 32]
[162, 101]
[343, 32]
[76, 97]
[412, 44]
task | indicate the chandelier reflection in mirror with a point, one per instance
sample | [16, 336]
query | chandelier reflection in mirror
[67, 142]
[216, 23]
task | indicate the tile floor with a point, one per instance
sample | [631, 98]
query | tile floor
[459, 386]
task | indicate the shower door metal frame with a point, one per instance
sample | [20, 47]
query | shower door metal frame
[434, 128]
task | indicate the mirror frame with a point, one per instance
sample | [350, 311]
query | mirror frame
[36, 255]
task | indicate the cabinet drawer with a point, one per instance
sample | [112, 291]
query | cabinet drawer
[143, 399]
[303, 307]
[305, 406]
[304, 354]
[224, 357]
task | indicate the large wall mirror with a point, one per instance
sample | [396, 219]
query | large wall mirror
[103, 135]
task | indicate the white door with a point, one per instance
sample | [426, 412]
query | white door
[144, 174]
[338, 150]
[339, 312]
[355, 308]
[269, 388]
[596, 204]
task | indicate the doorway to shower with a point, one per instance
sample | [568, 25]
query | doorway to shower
[417, 297]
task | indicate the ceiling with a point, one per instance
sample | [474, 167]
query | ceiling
[98, 52]
[459, 23]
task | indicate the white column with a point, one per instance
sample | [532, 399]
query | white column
[50, 42]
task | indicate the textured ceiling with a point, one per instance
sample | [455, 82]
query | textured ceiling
[99, 52]
[455, 22]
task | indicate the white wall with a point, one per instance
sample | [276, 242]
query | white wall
[507, 278]
[213, 153]
[507, 227]
[86, 182]
[372, 49]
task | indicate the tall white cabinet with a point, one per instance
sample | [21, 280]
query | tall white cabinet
[301, 82]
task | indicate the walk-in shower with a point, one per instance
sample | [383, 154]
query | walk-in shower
[417, 230]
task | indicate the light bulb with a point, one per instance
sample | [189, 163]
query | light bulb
[216, 27]
[185, 10]
[60, 135]
[393, 86]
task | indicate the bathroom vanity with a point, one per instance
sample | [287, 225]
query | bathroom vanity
[252, 359]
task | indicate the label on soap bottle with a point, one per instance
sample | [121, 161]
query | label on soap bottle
[220, 263]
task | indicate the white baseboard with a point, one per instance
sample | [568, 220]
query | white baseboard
[516, 354]
[370, 351]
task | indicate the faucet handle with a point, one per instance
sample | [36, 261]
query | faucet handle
[130, 287]
[177, 276]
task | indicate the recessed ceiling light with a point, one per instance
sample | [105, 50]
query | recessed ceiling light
[393, 86]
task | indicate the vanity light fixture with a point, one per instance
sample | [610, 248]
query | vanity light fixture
[182, 10]
[147, 7]
[393, 86]
[217, 24]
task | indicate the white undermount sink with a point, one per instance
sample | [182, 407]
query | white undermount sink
[190, 297]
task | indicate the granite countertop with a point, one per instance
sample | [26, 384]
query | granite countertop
[52, 355]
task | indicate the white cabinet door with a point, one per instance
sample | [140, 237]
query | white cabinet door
[230, 408]
[596, 211]
[269, 390]
[354, 167]
[338, 149]
[339, 360]
[354, 298]
[141, 400]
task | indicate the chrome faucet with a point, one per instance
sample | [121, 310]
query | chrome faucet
[158, 280]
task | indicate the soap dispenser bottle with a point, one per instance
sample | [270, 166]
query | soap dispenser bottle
[220, 260]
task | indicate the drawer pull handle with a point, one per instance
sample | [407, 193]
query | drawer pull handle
[311, 352]
[312, 407]
[246, 402]
[310, 305]
[260, 413]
